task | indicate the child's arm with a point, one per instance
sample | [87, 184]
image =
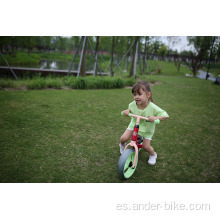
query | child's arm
[153, 118]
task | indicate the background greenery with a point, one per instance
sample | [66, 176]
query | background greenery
[119, 81]
[73, 135]
[29, 51]
[66, 83]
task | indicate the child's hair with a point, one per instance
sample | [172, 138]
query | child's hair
[142, 85]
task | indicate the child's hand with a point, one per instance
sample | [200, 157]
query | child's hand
[126, 112]
[152, 118]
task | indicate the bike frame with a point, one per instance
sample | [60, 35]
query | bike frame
[134, 143]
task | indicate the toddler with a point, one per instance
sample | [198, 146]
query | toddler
[143, 105]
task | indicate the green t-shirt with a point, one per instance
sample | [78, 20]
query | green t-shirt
[146, 129]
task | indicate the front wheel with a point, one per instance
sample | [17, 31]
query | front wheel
[125, 163]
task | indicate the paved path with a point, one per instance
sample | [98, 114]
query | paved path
[202, 75]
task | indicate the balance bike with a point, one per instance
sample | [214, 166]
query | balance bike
[127, 163]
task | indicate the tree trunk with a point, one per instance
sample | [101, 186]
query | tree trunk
[96, 54]
[133, 58]
[12, 47]
[112, 60]
[144, 57]
[83, 68]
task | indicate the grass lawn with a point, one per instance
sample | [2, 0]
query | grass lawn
[73, 135]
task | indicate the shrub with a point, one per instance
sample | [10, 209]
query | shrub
[129, 82]
[91, 82]
[54, 83]
[72, 82]
[118, 83]
[69, 81]
[80, 83]
[36, 83]
[6, 83]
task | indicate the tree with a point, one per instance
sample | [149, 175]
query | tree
[218, 49]
[162, 51]
[177, 61]
[202, 46]
[4, 42]
[156, 44]
[105, 43]
[129, 42]
[61, 43]
[75, 40]
[14, 44]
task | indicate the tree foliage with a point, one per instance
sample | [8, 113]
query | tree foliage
[10, 44]
[202, 45]
[162, 51]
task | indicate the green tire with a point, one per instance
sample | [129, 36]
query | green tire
[125, 169]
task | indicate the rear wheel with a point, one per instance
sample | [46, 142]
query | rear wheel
[125, 163]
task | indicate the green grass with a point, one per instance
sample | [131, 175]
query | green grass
[167, 68]
[73, 135]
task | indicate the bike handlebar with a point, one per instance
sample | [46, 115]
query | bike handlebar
[157, 121]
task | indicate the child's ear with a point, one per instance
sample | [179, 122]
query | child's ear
[148, 95]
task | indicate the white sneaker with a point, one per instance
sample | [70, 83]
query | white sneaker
[122, 147]
[152, 159]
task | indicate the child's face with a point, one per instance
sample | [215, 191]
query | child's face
[142, 97]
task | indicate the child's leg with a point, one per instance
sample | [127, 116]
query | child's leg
[148, 148]
[126, 136]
